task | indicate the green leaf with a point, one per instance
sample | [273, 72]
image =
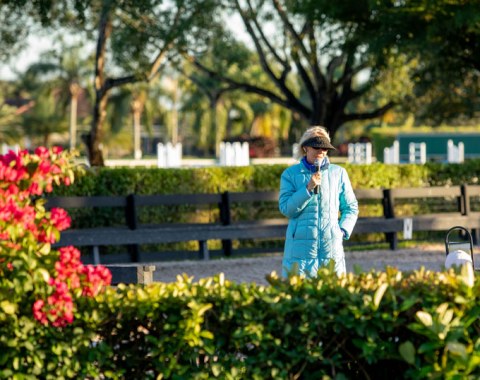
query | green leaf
[467, 275]
[377, 298]
[45, 249]
[206, 334]
[216, 370]
[407, 351]
[8, 307]
[425, 318]
[457, 349]
[44, 274]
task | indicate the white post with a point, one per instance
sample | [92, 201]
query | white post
[223, 156]
[161, 155]
[237, 153]
[368, 153]
[423, 152]
[411, 153]
[6, 148]
[169, 155]
[417, 153]
[229, 152]
[295, 148]
[234, 154]
[461, 152]
[455, 153]
[360, 153]
[245, 154]
[391, 155]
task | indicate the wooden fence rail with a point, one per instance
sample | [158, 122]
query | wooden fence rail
[133, 233]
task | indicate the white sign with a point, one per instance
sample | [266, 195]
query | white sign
[407, 228]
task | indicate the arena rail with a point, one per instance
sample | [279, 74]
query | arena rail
[133, 234]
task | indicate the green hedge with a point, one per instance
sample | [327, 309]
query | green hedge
[373, 325]
[123, 181]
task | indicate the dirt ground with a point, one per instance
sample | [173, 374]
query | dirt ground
[255, 269]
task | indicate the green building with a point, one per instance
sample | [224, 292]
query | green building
[437, 144]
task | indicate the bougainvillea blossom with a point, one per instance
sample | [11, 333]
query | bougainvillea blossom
[26, 226]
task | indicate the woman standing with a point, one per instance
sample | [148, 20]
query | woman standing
[319, 202]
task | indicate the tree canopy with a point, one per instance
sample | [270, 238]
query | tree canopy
[328, 63]
[441, 38]
[319, 67]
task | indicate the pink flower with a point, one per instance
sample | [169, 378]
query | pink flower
[34, 189]
[44, 167]
[38, 312]
[60, 219]
[96, 279]
[42, 152]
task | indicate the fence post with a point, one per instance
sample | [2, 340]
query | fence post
[391, 155]
[389, 213]
[203, 253]
[465, 210]
[226, 219]
[132, 223]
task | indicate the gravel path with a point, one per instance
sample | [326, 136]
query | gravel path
[255, 269]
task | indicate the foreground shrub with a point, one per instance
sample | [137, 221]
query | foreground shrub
[367, 326]
[40, 288]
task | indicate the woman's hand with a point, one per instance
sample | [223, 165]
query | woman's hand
[315, 180]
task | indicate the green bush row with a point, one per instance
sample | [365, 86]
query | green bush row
[123, 181]
[373, 325]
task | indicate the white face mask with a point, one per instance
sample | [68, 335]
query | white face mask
[313, 154]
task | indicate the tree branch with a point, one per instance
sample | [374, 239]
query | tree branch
[115, 82]
[283, 62]
[279, 82]
[294, 105]
[368, 115]
[297, 40]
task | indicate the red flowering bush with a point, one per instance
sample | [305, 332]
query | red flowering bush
[27, 231]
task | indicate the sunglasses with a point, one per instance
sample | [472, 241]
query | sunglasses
[318, 148]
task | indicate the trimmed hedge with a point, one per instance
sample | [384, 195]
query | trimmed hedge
[373, 325]
[123, 181]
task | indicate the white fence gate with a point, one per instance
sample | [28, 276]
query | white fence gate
[169, 155]
[391, 155]
[360, 153]
[455, 154]
[417, 153]
[6, 148]
[234, 154]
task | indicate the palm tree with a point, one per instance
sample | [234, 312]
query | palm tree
[9, 122]
[68, 73]
[44, 118]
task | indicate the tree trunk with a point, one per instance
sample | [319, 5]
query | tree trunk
[213, 126]
[137, 107]
[74, 91]
[95, 138]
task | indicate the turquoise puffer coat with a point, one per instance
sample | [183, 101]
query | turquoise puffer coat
[318, 223]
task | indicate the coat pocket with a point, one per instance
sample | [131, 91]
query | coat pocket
[306, 232]
[337, 231]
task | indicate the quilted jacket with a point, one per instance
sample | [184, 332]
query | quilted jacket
[318, 223]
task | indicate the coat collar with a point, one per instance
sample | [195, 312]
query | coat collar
[305, 166]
